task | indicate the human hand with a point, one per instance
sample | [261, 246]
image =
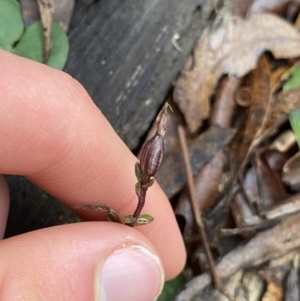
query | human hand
[52, 133]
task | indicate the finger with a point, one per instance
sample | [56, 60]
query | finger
[54, 134]
[4, 205]
[80, 262]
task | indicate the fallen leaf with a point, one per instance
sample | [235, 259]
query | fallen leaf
[62, 12]
[231, 49]
[241, 213]
[46, 9]
[282, 104]
[271, 190]
[224, 104]
[274, 290]
[288, 206]
[257, 115]
[292, 289]
[291, 171]
[284, 141]
[275, 6]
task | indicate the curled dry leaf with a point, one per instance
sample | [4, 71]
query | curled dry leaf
[224, 105]
[270, 187]
[276, 6]
[291, 171]
[231, 49]
[283, 103]
[284, 141]
[288, 206]
[274, 291]
[46, 9]
[257, 115]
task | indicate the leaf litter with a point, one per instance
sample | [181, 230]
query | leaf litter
[230, 49]
[234, 96]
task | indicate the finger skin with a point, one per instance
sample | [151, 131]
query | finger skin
[32, 269]
[54, 134]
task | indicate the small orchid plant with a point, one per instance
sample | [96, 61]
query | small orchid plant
[151, 157]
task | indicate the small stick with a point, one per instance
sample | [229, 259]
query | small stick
[196, 211]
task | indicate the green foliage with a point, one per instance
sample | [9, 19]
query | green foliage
[144, 219]
[29, 42]
[172, 287]
[31, 45]
[112, 216]
[138, 172]
[294, 117]
[129, 219]
[11, 23]
[294, 80]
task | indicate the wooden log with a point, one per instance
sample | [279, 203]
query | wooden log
[125, 54]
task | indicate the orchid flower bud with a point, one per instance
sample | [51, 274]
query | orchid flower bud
[152, 155]
[153, 150]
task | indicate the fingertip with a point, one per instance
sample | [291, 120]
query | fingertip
[86, 261]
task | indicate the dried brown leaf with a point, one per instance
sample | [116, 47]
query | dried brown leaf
[288, 206]
[284, 141]
[62, 12]
[231, 49]
[291, 171]
[292, 289]
[283, 102]
[271, 190]
[275, 6]
[224, 104]
[257, 115]
[274, 292]
[46, 9]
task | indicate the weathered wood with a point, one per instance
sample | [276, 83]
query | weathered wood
[31, 208]
[122, 53]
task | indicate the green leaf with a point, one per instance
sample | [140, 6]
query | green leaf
[129, 219]
[11, 23]
[294, 79]
[149, 184]
[144, 219]
[172, 287]
[112, 216]
[138, 189]
[138, 171]
[31, 45]
[294, 117]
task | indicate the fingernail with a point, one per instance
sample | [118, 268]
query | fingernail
[131, 273]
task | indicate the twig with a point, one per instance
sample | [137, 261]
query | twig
[196, 211]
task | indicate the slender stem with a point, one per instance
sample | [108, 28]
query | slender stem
[196, 211]
[141, 203]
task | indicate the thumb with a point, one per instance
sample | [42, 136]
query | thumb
[86, 261]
